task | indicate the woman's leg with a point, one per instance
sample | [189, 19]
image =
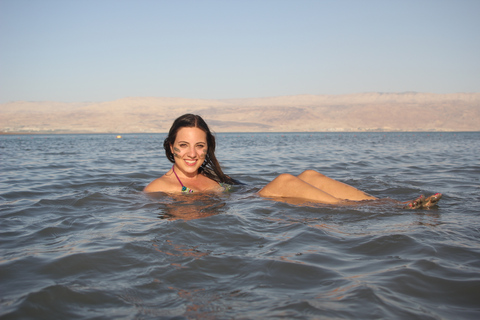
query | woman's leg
[289, 186]
[335, 188]
[314, 186]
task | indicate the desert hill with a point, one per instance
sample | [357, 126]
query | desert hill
[408, 111]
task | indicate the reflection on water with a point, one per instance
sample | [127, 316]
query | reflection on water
[188, 207]
[79, 238]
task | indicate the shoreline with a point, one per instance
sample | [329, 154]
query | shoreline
[231, 132]
[368, 112]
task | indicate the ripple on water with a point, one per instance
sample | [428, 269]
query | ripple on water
[79, 239]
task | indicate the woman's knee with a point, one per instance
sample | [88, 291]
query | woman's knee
[283, 178]
[311, 173]
[274, 186]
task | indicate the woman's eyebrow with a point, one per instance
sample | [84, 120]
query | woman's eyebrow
[200, 142]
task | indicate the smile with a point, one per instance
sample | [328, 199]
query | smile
[190, 162]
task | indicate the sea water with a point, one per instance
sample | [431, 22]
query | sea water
[80, 240]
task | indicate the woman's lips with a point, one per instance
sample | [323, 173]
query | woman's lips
[191, 162]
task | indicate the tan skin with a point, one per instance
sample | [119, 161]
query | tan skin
[313, 186]
[190, 148]
[316, 187]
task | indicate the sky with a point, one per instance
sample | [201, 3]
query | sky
[103, 50]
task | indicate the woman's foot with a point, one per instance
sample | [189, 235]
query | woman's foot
[432, 200]
[424, 203]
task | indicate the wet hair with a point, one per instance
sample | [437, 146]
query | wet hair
[210, 167]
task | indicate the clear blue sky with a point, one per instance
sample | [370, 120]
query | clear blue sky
[101, 50]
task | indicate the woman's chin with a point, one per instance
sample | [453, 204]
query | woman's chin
[189, 168]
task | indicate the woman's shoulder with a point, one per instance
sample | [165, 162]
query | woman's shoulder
[162, 184]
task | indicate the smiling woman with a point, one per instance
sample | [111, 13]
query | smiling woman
[190, 146]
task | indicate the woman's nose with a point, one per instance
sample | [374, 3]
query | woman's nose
[191, 152]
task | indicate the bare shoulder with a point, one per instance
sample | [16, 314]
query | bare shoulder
[162, 184]
[207, 184]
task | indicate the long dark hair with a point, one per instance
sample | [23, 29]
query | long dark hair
[210, 167]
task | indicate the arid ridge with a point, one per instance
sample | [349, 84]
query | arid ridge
[372, 112]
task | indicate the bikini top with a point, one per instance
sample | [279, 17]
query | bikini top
[184, 189]
[225, 186]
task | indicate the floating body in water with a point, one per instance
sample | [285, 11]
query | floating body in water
[190, 146]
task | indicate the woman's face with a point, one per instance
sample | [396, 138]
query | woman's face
[189, 149]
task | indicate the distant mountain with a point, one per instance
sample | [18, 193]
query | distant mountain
[409, 111]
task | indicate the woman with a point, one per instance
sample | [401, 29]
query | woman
[190, 146]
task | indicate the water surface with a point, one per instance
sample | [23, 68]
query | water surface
[80, 240]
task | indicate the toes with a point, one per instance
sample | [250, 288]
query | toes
[432, 200]
[417, 203]
[422, 202]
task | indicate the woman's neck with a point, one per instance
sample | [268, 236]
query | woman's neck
[184, 175]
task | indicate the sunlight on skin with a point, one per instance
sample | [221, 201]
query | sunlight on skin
[190, 147]
[190, 150]
[177, 152]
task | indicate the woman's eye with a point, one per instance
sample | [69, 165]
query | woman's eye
[183, 145]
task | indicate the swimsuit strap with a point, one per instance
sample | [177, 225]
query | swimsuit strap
[184, 189]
